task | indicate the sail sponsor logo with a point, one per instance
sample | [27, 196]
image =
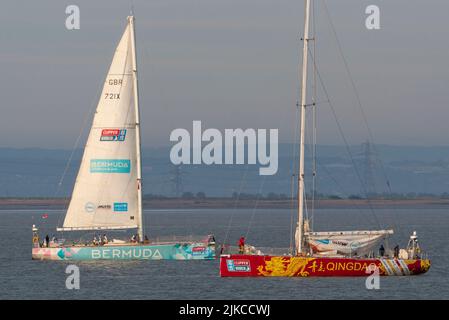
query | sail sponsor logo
[113, 135]
[355, 245]
[126, 253]
[110, 166]
[89, 207]
[238, 265]
[104, 206]
[342, 243]
[120, 207]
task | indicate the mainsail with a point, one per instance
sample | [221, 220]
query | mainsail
[107, 189]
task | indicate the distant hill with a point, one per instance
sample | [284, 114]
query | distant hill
[37, 172]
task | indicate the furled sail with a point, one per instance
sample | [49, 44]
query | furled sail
[346, 243]
[105, 195]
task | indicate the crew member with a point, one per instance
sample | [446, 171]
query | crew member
[396, 251]
[242, 245]
[381, 250]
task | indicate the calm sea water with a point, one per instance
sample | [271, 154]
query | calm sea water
[22, 278]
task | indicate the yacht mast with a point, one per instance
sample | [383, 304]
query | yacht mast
[300, 229]
[137, 115]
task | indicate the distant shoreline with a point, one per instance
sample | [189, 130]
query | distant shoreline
[226, 203]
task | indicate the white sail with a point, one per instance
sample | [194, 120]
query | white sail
[106, 190]
[346, 243]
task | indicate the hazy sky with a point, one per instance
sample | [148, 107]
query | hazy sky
[229, 63]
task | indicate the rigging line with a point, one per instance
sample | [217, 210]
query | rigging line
[307, 150]
[356, 93]
[313, 193]
[293, 174]
[306, 213]
[294, 162]
[340, 129]
[359, 104]
[131, 183]
[137, 112]
[314, 120]
[292, 210]
[147, 61]
[305, 204]
[259, 194]
[295, 150]
[296, 155]
[351, 79]
[242, 181]
[326, 171]
[87, 116]
[310, 145]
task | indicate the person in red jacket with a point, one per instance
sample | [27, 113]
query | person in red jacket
[242, 245]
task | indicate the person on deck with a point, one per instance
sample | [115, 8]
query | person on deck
[396, 251]
[242, 245]
[47, 241]
[54, 240]
[381, 250]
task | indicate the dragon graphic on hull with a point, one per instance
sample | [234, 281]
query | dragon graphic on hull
[292, 266]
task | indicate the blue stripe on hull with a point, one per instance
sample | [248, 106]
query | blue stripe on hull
[191, 251]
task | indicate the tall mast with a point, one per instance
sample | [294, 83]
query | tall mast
[300, 230]
[137, 114]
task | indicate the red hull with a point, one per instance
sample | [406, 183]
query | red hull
[241, 265]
